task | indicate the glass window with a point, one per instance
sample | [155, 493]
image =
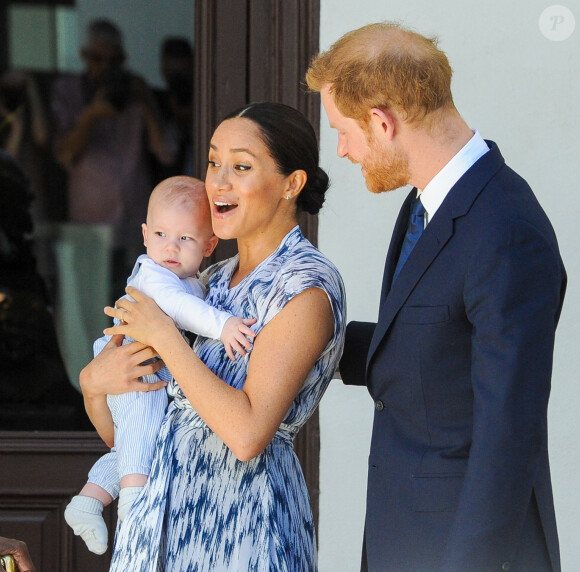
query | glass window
[43, 38]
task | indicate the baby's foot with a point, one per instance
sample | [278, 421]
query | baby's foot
[84, 516]
[127, 496]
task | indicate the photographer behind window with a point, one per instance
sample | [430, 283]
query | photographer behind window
[34, 388]
[24, 130]
[106, 123]
[176, 105]
[21, 112]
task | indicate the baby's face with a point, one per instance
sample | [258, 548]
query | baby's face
[177, 238]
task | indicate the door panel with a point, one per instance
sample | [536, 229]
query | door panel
[257, 50]
[40, 473]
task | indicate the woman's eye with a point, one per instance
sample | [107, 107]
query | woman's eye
[241, 167]
[213, 163]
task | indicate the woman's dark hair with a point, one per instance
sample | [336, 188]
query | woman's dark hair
[291, 141]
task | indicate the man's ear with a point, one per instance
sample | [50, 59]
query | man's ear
[144, 230]
[210, 246]
[383, 122]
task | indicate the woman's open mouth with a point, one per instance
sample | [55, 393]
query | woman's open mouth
[224, 207]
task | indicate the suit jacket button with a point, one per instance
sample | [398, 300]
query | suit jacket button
[506, 566]
[379, 405]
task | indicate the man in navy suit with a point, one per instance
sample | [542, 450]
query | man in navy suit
[459, 362]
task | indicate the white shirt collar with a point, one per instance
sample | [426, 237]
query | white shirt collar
[436, 190]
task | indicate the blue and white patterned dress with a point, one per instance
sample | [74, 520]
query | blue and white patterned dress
[202, 509]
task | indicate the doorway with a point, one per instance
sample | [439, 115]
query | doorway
[258, 50]
[245, 50]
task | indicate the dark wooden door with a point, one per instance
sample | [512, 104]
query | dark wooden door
[257, 50]
[39, 473]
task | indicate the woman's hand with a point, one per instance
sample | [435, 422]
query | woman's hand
[143, 319]
[115, 370]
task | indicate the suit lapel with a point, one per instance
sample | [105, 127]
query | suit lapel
[438, 232]
[436, 235]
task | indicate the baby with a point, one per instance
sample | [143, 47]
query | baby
[178, 235]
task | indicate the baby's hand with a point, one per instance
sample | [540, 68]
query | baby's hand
[235, 334]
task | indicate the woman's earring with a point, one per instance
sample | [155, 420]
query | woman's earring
[287, 197]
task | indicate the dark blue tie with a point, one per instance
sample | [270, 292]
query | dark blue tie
[414, 230]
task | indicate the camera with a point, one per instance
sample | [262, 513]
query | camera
[118, 88]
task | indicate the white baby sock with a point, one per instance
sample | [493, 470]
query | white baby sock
[84, 516]
[127, 496]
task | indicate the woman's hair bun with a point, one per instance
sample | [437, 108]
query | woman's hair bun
[313, 194]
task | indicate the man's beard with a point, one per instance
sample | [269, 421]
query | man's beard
[385, 171]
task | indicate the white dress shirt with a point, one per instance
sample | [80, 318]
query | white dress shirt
[436, 190]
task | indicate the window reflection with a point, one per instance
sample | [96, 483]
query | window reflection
[42, 43]
[43, 38]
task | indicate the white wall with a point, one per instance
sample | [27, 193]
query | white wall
[520, 89]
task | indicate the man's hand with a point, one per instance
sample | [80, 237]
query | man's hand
[19, 551]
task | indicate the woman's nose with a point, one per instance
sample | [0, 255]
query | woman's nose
[219, 178]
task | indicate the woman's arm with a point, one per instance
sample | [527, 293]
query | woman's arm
[115, 370]
[284, 352]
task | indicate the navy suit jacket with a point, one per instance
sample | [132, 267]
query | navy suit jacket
[459, 365]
